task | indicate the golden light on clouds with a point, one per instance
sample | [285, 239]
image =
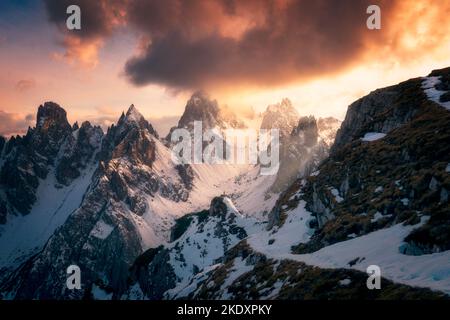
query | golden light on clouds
[247, 55]
[79, 52]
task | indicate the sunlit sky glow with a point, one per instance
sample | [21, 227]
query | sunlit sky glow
[87, 75]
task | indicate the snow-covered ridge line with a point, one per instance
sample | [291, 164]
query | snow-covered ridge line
[380, 248]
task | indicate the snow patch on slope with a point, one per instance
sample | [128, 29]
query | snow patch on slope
[197, 250]
[380, 247]
[294, 230]
[239, 268]
[428, 85]
[373, 136]
[336, 195]
[242, 183]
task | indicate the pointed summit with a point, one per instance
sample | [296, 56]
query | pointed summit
[282, 116]
[201, 98]
[134, 119]
[200, 107]
[51, 129]
[51, 114]
[133, 114]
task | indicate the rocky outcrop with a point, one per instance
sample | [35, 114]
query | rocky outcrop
[28, 159]
[368, 185]
[382, 111]
[103, 235]
[187, 175]
[130, 139]
[153, 274]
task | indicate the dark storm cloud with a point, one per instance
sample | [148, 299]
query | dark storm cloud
[299, 39]
[175, 61]
[197, 43]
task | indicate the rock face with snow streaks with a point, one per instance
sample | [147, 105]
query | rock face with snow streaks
[140, 226]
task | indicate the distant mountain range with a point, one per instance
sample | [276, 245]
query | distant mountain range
[372, 190]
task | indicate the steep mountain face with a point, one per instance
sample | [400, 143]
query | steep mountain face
[52, 146]
[141, 227]
[382, 196]
[128, 139]
[27, 159]
[201, 108]
[43, 177]
[109, 229]
[77, 152]
[399, 178]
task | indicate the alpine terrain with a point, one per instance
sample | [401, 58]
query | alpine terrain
[371, 190]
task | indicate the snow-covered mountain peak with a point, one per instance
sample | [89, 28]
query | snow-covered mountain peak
[142, 227]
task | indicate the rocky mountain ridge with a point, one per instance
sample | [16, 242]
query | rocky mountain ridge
[118, 194]
[142, 228]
